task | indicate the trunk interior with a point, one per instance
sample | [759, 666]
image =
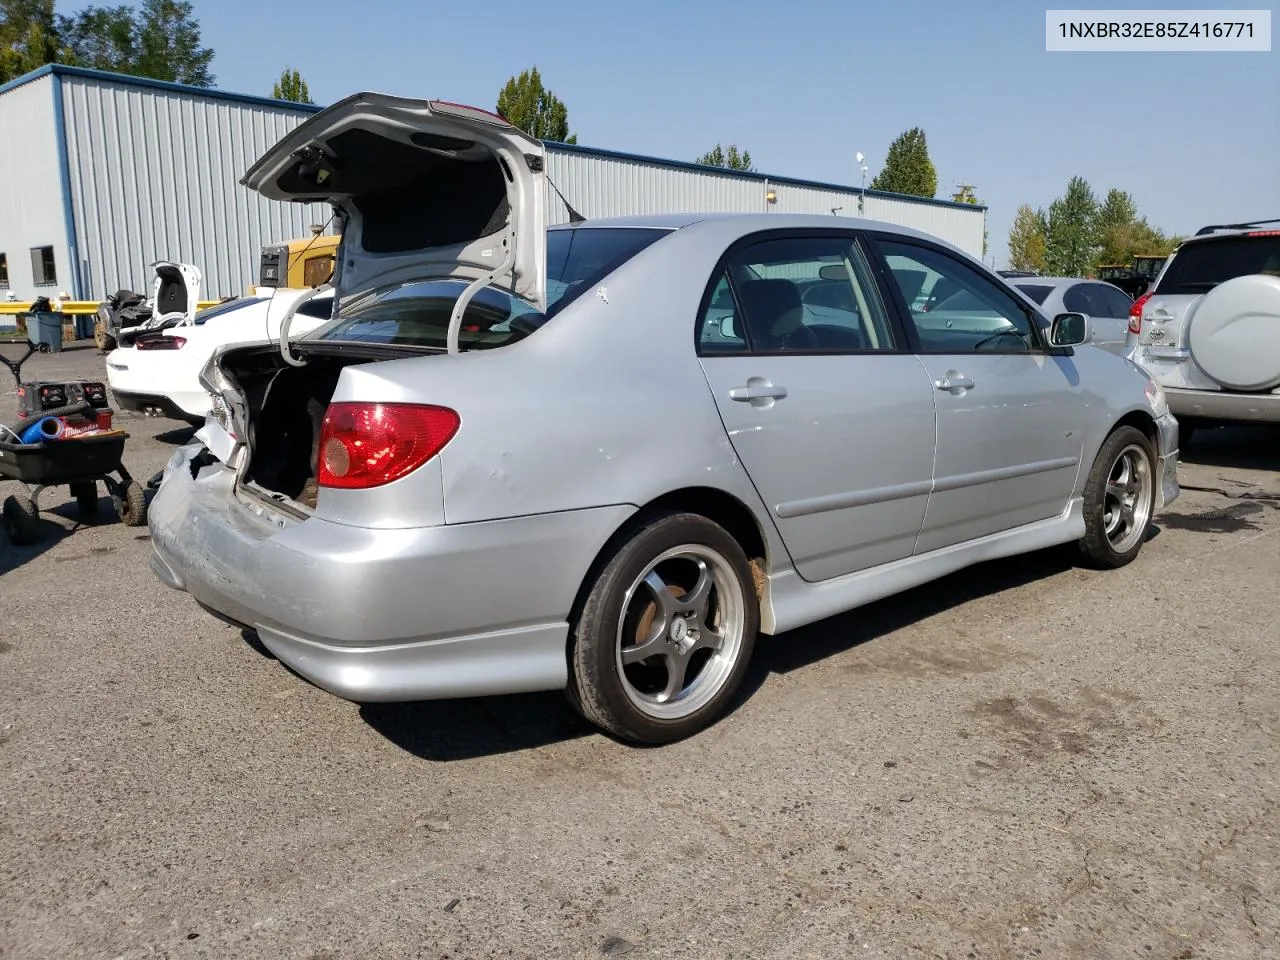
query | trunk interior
[286, 408]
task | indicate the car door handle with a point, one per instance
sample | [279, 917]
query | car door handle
[747, 394]
[954, 382]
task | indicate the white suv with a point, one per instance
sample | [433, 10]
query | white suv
[1209, 330]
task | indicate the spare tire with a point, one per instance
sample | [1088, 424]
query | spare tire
[1234, 334]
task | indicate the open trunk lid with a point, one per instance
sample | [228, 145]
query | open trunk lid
[427, 190]
[175, 290]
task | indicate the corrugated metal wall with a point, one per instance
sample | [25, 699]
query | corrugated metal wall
[154, 173]
[31, 212]
[612, 185]
[154, 176]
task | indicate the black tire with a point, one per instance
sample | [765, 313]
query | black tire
[1105, 544]
[86, 495]
[101, 338]
[607, 693]
[21, 520]
[131, 504]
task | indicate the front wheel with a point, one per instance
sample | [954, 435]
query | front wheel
[1119, 499]
[666, 633]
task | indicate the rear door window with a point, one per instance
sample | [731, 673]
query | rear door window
[800, 294]
[1111, 302]
[1201, 265]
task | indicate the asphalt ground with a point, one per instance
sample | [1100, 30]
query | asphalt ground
[1027, 759]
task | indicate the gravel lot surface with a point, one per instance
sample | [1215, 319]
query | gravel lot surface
[1025, 759]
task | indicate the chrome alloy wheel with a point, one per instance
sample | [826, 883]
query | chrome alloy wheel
[1127, 498]
[681, 632]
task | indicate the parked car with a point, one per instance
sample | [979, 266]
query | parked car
[159, 372]
[1209, 331]
[603, 457]
[1106, 306]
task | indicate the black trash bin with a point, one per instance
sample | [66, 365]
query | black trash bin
[44, 328]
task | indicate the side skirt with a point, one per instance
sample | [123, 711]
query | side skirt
[790, 602]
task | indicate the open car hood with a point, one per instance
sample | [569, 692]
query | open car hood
[429, 190]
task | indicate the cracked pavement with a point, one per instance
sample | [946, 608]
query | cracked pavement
[1027, 759]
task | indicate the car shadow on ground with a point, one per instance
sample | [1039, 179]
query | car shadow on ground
[1244, 447]
[448, 730]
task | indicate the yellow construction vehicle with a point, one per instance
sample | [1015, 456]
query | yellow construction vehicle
[306, 262]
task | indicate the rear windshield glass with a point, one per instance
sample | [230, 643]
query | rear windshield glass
[417, 314]
[1202, 265]
[1036, 291]
[227, 306]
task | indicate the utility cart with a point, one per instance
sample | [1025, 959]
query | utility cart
[77, 462]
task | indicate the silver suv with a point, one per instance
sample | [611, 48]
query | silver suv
[1209, 330]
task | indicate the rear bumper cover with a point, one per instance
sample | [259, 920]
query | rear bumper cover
[1221, 405]
[382, 615]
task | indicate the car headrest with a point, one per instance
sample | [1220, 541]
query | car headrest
[773, 306]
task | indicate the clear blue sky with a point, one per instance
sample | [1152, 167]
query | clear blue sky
[1194, 137]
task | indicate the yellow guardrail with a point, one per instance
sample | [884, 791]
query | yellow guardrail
[72, 307]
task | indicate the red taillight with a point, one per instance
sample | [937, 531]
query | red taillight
[1263, 233]
[1135, 313]
[160, 343]
[365, 445]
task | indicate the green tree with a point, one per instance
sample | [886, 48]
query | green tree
[1027, 241]
[1071, 240]
[29, 38]
[1117, 210]
[527, 104]
[907, 167]
[291, 87]
[160, 40]
[1122, 242]
[718, 156]
[964, 194]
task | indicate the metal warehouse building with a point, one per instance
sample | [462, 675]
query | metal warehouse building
[104, 174]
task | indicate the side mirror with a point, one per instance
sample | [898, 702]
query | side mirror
[1069, 330]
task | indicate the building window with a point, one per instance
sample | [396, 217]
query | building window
[4, 272]
[43, 269]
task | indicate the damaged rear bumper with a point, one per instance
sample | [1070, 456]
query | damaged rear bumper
[382, 615]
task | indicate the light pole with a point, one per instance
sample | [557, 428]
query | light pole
[863, 167]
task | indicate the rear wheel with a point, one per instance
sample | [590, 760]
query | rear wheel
[1119, 499]
[666, 633]
[21, 520]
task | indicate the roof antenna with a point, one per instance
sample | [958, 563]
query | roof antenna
[574, 215]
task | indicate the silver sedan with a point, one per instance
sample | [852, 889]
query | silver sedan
[1106, 306]
[603, 457]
